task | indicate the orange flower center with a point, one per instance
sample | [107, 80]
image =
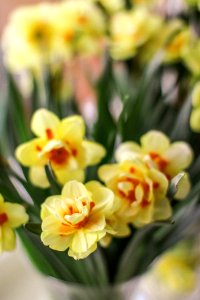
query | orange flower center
[59, 156]
[3, 218]
[127, 190]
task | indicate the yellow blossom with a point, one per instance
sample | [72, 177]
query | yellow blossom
[12, 215]
[60, 142]
[80, 28]
[141, 191]
[192, 58]
[29, 38]
[157, 152]
[76, 219]
[176, 269]
[131, 29]
[177, 45]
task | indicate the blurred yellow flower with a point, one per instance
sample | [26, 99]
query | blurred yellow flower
[12, 215]
[157, 152]
[141, 191]
[176, 269]
[195, 114]
[131, 29]
[177, 45]
[76, 219]
[61, 143]
[192, 58]
[80, 28]
[29, 39]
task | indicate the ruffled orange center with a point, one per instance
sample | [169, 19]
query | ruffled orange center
[76, 218]
[127, 189]
[3, 218]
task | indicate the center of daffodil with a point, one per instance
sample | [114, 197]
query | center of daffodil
[59, 156]
[134, 190]
[3, 218]
[40, 32]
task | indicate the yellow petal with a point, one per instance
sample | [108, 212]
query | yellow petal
[72, 129]
[75, 190]
[7, 239]
[155, 141]
[162, 209]
[81, 242]
[56, 242]
[94, 152]
[96, 222]
[1, 200]
[195, 120]
[79, 255]
[102, 196]
[179, 156]
[16, 214]
[65, 174]
[42, 121]
[38, 177]
[28, 153]
[107, 172]
[161, 182]
[127, 151]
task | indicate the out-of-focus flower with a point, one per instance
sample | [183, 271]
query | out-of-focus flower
[131, 29]
[177, 45]
[141, 191]
[76, 219]
[195, 115]
[29, 39]
[176, 268]
[60, 142]
[156, 151]
[143, 2]
[80, 28]
[12, 215]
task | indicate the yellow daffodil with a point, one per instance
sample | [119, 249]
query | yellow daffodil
[76, 219]
[156, 151]
[80, 28]
[177, 45]
[141, 191]
[61, 143]
[131, 29]
[12, 215]
[176, 269]
[29, 39]
[195, 115]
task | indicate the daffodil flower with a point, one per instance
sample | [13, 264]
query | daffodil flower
[76, 219]
[157, 152]
[61, 143]
[12, 215]
[141, 191]
[176, 269]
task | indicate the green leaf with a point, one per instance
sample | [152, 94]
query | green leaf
[17, 111]
[55, 187]
[105, 128]
[34, 228]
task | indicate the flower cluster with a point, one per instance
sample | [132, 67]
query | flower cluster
[49, 33]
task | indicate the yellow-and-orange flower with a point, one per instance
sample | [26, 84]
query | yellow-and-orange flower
[60, 142]
[76, 219]
[157, 152]
[141, 191]
[12, 215]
